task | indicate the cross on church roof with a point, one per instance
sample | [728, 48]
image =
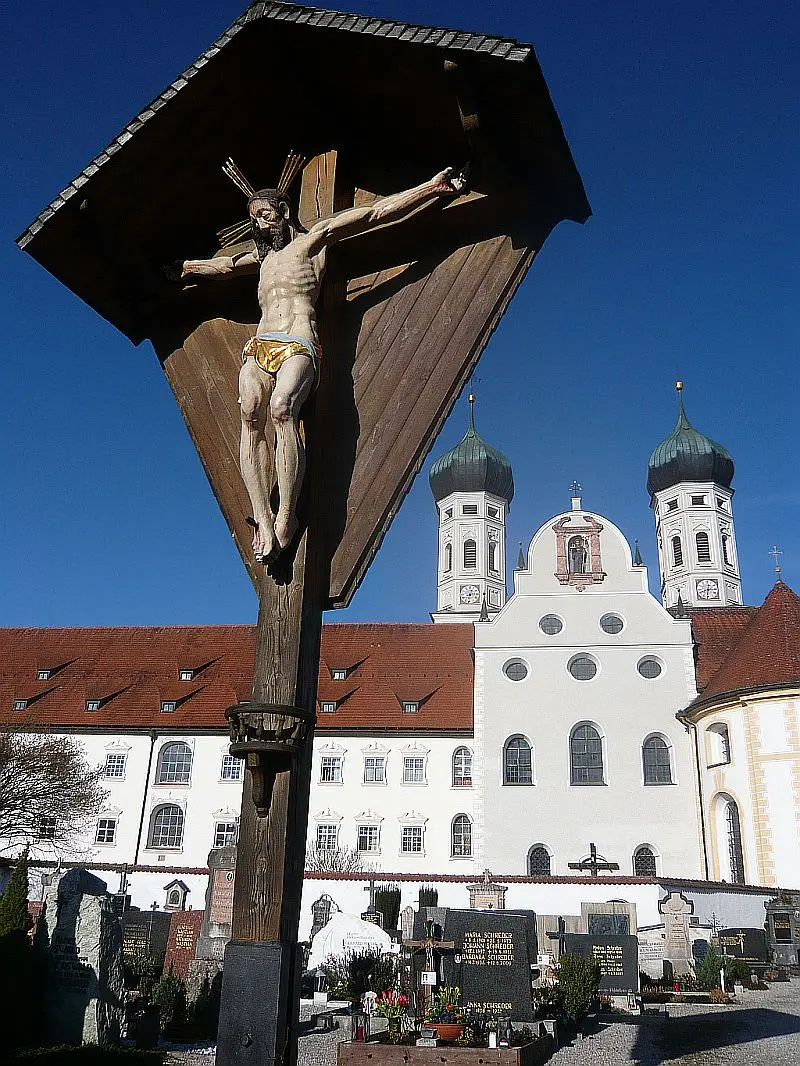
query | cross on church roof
[575, 488]
[776, 551]
[594, 863]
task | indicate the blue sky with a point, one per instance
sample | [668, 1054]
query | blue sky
[683, 121]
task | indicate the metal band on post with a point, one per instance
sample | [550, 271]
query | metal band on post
[268, 736]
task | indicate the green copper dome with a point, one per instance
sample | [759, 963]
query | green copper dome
[472, 466]
[687, 455]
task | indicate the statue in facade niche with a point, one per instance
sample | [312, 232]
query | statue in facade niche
[280, 363]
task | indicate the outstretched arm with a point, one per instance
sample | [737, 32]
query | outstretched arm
[221, 266]
[387, 209]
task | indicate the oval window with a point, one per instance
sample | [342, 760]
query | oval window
[649, 668]
[515, 670]
[551, 624]
[582, 668]
[612, 624]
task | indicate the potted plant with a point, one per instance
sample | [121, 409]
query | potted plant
[444, 1014]
[392, 1006]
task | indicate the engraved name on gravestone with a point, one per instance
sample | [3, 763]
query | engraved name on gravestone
[83, 988]
[145, 932]
[491, 959]
[783, 928]
[617, 957]
[184, 931]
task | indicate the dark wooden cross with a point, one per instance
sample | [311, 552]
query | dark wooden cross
[404, 316]
[433, 947]
[594, 863]
[559, 935]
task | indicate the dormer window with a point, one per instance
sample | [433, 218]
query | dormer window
[672, 505]
[327, 706]
[469, 508]
[338, 673]
[20, 705]
[43, 675]
[186, 675]
[93, 705]
[493, 512]
[410, 706]
[168, 706]
[447, 514]
[698, 501]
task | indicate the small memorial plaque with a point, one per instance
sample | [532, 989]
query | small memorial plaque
[372, 916]
[428, 977]
[184, 931]
[222, 897]
[617, 957]
[748, 944]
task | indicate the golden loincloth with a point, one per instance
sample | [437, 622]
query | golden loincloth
[271, 350]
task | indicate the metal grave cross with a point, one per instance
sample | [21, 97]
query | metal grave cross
[594, 863]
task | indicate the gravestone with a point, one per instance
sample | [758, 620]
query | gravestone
[744, 943]
[345, 935]
[184, 932]
[321, 910]
[81, 938]
[599, 924]
[145, 932]
[677, 938]
[651, 952]
[487, 895]
[617, 957]
[215, 931]
[783, 929]
[491, 959]
[407, 923]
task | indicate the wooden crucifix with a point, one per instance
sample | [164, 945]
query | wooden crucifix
[594, 863]
[395, 331]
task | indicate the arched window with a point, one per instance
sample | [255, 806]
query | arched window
[461, 837]
[656, 761]
[447, 557]
[576, 555]
[470, 555]
[166, 827]
[677, 552]
[538, 861]
[586, 756]
[719, 743]
[462, 768]
[735, 854]
[492, 552]
[703, 547]
[726, 554]
[174, 764]
[644, 862]
[517, 762]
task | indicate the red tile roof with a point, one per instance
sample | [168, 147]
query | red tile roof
[132, 670]
[764, 652]
[716, 630]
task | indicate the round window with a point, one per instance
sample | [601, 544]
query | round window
[582, 668]
[649, 668]
[515, 670]
[551, 624]
[612, 623]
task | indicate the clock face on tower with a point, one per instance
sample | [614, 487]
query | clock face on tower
[470, 594]
[708, 589]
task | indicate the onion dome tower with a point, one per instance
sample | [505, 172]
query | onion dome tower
[473, 487]
[689, 480]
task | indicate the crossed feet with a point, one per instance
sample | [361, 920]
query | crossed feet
[272, 536]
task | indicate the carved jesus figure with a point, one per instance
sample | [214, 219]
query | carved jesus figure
[279, 364]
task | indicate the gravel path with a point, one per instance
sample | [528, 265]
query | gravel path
[762, 1029]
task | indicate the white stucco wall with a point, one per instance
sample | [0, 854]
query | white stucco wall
[622, 813]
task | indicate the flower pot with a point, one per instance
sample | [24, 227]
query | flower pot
[447, 1031]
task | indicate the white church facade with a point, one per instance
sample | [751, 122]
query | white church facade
[577, 710]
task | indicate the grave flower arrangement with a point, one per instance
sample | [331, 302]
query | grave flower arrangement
[391, 1004]
[445, 1009]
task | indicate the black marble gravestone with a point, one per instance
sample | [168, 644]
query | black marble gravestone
[783, 929]
[749, 944]
[617, 957]
[491, 958]
[145, 932]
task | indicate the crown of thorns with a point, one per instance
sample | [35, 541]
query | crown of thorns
[239, 230]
